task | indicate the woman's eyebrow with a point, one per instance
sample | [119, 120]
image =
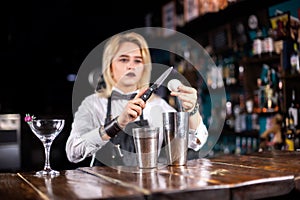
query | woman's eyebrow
[123, 55]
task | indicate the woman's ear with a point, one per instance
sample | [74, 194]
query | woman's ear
[111, 71]
[101, 83]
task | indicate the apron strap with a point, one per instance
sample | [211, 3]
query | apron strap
[108, 112]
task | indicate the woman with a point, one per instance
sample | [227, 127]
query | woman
[103, 122]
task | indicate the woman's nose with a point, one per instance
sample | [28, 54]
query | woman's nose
[131, 65]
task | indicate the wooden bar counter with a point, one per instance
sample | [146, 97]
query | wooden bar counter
[256, 176]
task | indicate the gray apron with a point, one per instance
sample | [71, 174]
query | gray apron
[119, 150]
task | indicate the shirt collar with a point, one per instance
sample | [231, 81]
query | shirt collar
[118, 90]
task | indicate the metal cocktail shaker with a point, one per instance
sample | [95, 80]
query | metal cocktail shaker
[175, 131]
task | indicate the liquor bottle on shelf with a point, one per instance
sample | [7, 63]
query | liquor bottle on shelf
[241, 75]
[257, 46]
[268, 44]
[238, 148]
[294, 60]
[260, 96]
[237, 118]
[232, 78]
[270, 104]
[244, 146]
[280, 96]
[249, 115]
[229, 122]
[249, 145]
[287, 49]
[293, 109]
[243, 112]
[289, 133]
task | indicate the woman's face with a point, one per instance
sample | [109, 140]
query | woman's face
[127, 67]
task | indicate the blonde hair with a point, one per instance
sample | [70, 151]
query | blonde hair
[110, 50]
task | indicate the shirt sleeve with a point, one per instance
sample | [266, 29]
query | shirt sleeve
[198, 137]
[84, 139]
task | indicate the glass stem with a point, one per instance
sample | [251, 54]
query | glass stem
[47, 145]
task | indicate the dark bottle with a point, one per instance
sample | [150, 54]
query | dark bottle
[294, 60]
[270, 105]
[289, 133]
[293, 110]
[280, 96]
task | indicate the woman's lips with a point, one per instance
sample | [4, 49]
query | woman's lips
[131, 74]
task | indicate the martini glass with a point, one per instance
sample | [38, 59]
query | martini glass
[47, 130]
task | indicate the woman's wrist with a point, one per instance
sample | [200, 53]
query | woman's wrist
[121, 125]
[195, 110]
[112, 128]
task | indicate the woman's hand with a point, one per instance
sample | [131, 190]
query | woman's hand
[187, 96]
[132, 110]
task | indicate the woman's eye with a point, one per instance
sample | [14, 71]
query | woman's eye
[138, 61]
[123, 60]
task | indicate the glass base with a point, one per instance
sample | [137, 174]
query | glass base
[49, 172]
